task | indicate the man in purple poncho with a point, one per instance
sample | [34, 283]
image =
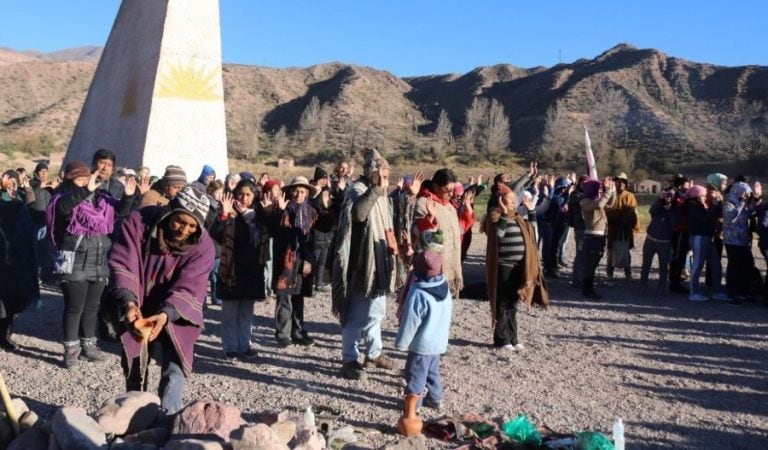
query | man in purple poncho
[160, 263]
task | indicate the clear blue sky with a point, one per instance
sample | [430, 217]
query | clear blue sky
[420, 37]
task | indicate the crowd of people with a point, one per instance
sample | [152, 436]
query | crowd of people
[138, 256]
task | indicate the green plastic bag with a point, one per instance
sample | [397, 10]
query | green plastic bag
[591, 440]
[522, 430]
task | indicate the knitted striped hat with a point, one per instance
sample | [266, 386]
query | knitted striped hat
[174, 174]
[192, 202]
[432, 240]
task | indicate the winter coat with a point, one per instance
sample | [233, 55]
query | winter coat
[426, 317]
[241, 271]
[18, 259]
[91, 255]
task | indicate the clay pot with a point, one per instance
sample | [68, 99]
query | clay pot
[410, 424]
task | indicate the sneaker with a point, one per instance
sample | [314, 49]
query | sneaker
[382, 362]
[353, 371]
[305, 341]
[248, 354]
[230, 355]
[519, 347]
[71, 357]
[436, 405]
[720, 297]
[507, 348]
[698, 298]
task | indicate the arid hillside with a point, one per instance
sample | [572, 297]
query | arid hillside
[644, 109]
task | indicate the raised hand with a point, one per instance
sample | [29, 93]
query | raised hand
[282, 202]
[227, 204]
[263, 179]
[502, 207]
[400, 183]
[144, 185]
[130, 186]
[528, 203]
[479, 180]
[342, 183]
[418, 179]
[757, 189]
[325, 199]
[532, 168]
[469, 198]
[93, 182]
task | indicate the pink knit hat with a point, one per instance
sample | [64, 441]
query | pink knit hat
[696, 191]
[428, 264]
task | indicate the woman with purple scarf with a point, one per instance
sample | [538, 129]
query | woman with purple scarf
[160, 264]
[292, 272]
[80, 217]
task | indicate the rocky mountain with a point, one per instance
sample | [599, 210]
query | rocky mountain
[676, 108]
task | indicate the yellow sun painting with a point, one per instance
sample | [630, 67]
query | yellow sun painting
[188, 82]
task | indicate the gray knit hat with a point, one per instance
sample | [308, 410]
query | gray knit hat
[174, 174]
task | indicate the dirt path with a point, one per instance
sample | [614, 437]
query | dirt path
[681, 375]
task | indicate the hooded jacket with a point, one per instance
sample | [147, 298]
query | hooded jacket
[426, 317]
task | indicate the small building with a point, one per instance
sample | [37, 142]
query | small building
[647, 187]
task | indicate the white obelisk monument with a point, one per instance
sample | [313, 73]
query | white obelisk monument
[157, 97]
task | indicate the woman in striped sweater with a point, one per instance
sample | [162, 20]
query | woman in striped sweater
[513, 272]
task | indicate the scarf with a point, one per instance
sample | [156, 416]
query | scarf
[299, 216]
[94, 216]
[249, 217]
[166, 246]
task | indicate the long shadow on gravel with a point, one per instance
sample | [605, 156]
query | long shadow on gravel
[698, 438]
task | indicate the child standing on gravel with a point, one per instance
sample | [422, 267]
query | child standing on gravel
[424, 325]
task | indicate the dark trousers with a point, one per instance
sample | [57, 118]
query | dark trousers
[680, 249]
[578, 259]
[289, 317]
[738, 274]
[171, 376]
[593, 247]
[81, 309]
[509, 279]
[321, 255]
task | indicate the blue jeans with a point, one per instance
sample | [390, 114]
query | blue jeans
[362, 321]
[213, 277]
[236, 323]
[422, 372]
[703, 248]
[171, 376]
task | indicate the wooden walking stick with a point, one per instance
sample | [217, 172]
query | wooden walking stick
[10, 411]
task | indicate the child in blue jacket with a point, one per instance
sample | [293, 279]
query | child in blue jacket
[424, 326]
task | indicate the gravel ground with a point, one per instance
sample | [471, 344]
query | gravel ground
[681, 375]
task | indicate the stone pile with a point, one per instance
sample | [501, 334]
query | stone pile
[135, 421]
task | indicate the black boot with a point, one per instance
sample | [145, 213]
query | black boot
[588, 289]
[6, 342]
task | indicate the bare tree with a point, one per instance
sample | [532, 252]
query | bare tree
[496, 129]
[280, 142]
[558, 136]
[442, 135]
[311, 130]
[474, 120]
[607, 130]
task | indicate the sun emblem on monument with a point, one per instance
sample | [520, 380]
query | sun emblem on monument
[189, 82]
